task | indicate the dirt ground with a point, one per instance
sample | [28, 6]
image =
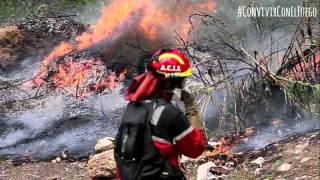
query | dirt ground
[301, 153]
[44, 171]
[301, 157]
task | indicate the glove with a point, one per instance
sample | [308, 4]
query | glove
[187, 98]
[191, 109]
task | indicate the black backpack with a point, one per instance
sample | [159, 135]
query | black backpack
[136, 156]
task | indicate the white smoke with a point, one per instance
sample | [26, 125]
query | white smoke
[271, 134]
[76, 125]
[33, 121]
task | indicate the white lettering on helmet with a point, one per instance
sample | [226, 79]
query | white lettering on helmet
[171, 68]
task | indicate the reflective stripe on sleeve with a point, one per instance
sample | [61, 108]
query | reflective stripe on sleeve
[183, 134]
[161, 140]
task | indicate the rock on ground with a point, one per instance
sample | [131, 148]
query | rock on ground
[284, 167]
[259, 161]
[203, 170]
[104, 144]
[102, 165]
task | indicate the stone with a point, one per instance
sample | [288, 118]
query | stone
[259, 161]
[104, 144]
[304, 177]
[58, 159]
[300, 148]
[301, 178]
[64, 156]
[297, 158]
[203, 170]
[284, 167]
[102, 165]
[305, 159]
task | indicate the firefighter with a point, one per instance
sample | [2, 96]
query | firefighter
[173, 133]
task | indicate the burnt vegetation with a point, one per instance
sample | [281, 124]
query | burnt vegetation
[257, 82]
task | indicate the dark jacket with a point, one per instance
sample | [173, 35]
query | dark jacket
[173, 135]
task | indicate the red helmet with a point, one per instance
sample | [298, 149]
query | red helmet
[171, 63]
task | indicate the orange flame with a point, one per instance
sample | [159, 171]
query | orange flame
[170, 17]
[81, 78]
[227, 142]
[224, 146]
[149, 17]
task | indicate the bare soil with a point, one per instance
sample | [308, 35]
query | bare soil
[292, 152]
[44, 171]
[302, 153]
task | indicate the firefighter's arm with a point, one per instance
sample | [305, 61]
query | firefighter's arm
[191, 110]
[191, 141]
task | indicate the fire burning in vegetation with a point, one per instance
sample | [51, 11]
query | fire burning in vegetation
[81, 76]
[77, 77]
[227, 142]
[154, 20]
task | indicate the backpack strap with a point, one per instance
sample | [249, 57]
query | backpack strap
[150, 106]
[146, 104]
[157, 109]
